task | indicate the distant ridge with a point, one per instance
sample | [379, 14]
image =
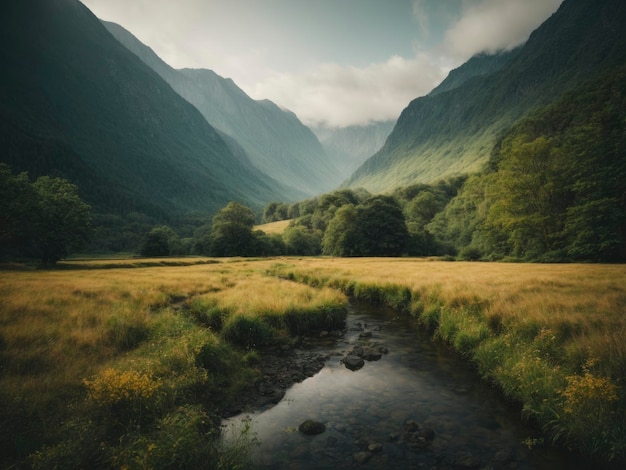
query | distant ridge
[453, 130]
[275, 140]
[350, 146]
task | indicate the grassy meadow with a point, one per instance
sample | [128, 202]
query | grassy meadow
[129, 366]
[126, 363]
[551, 336]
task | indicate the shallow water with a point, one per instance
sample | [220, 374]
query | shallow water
[371, 413]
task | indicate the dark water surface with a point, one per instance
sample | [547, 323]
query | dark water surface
[372, 415]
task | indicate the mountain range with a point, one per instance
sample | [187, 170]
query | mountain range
[86, 100]
[275, 140]
[453, 130]
[76, 103]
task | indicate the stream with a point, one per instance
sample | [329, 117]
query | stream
[418, 406]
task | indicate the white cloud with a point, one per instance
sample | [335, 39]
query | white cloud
[492, 25]
[339, 96]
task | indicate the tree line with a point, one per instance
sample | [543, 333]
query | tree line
[45, 219]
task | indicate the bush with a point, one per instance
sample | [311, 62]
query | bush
[470, 253]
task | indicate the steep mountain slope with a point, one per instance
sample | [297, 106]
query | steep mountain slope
[74, 102]
[453, 132]
[350, 146]
[481, 64]
[274, 139]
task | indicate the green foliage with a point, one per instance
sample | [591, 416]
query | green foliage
[157, 242]
[232, 231]
[45, 219]
[374, 228]
[382, 227]
[17, 204]
[300, 240]
[342, 236]
[275, 211]
[554, 189]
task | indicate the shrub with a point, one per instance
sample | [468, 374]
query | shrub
[131, 397]
[589, 412]
[470, 254]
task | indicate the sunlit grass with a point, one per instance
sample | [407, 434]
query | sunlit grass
[68, 333]
[531, 329]
[277, 227]
[552, 337]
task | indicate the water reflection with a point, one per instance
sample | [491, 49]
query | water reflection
[419, 406]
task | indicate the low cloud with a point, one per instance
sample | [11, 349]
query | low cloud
[339, 96]
[492, 25]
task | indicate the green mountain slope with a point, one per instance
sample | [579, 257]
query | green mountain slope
[74, 102]
[274, 139]
[453, 132]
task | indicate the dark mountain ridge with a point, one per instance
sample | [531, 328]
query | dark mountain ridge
[453, 131]
[76, 103]
[276, 141]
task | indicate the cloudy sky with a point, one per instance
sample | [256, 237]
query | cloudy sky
[332, 62]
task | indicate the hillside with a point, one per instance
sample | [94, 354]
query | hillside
[276, 142]
[75, 103]
[453, 131]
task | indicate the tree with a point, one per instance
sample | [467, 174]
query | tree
[343, 236]
[157, 242]
[17, 205]
[231, 232]
[62, 221]
[382, 226]
[374, 228]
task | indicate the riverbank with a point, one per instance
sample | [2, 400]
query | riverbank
[104, 366]
[110, 367]
[551, 337]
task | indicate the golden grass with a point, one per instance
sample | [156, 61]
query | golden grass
[548, 335]
[277, 227]
[59, 327]
[526, 325]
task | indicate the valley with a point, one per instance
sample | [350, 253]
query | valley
[188, 274]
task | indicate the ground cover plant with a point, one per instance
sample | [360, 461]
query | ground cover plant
[127, 366]
[552, 337]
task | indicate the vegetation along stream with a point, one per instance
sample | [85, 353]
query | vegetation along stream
[417, 406]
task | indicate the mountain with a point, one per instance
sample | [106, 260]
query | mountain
[453, 131]
[75, 103]
[275, 140]
[350, 146]
[481, 64]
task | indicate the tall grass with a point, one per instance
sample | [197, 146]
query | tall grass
[114, 367]
[552, 337]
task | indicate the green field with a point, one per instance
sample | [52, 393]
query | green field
[121, 363]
